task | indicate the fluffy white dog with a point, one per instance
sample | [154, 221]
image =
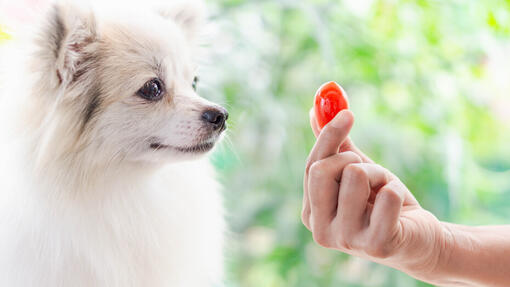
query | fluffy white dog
[103, 181]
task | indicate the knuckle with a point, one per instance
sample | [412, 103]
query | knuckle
[317, 169]
[355, 171]
[389, 195]
[351, 156]
[321, 239]
[385, 171]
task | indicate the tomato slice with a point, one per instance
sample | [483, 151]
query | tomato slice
[330, 99]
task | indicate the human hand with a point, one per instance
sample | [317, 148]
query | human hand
[346, 145]
[358, 207]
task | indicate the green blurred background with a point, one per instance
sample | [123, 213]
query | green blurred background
[428, 82]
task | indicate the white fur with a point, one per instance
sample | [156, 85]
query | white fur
[93, 205]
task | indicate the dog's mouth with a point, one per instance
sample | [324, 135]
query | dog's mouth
[200, 148]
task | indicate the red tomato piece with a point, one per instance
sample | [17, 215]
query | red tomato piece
[330, 99]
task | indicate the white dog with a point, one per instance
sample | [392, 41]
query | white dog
[102, 184]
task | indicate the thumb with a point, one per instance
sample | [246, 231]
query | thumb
[348, 145]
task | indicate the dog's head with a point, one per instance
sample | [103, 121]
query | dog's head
[125, 86]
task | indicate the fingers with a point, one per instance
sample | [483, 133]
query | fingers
[348, 145]
[342, 215]
[384, 220]
[329, 140]
[358, 181]
[323, 188]
[332, 136]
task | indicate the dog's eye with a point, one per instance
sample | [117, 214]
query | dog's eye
[195, 83]
[152, 90]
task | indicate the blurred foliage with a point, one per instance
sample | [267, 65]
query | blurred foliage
[428, 88]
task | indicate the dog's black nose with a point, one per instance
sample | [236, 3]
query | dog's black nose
[216, 117]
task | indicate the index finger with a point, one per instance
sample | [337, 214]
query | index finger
[314, 124]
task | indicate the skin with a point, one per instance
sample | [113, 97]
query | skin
[355, 206]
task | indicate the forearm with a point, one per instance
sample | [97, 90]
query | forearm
[475, 256]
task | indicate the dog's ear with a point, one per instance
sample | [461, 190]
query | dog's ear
[189, 15]
[72, 36]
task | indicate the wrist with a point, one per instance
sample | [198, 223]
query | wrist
[451, 236]
[456, 241]
[432, 262]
